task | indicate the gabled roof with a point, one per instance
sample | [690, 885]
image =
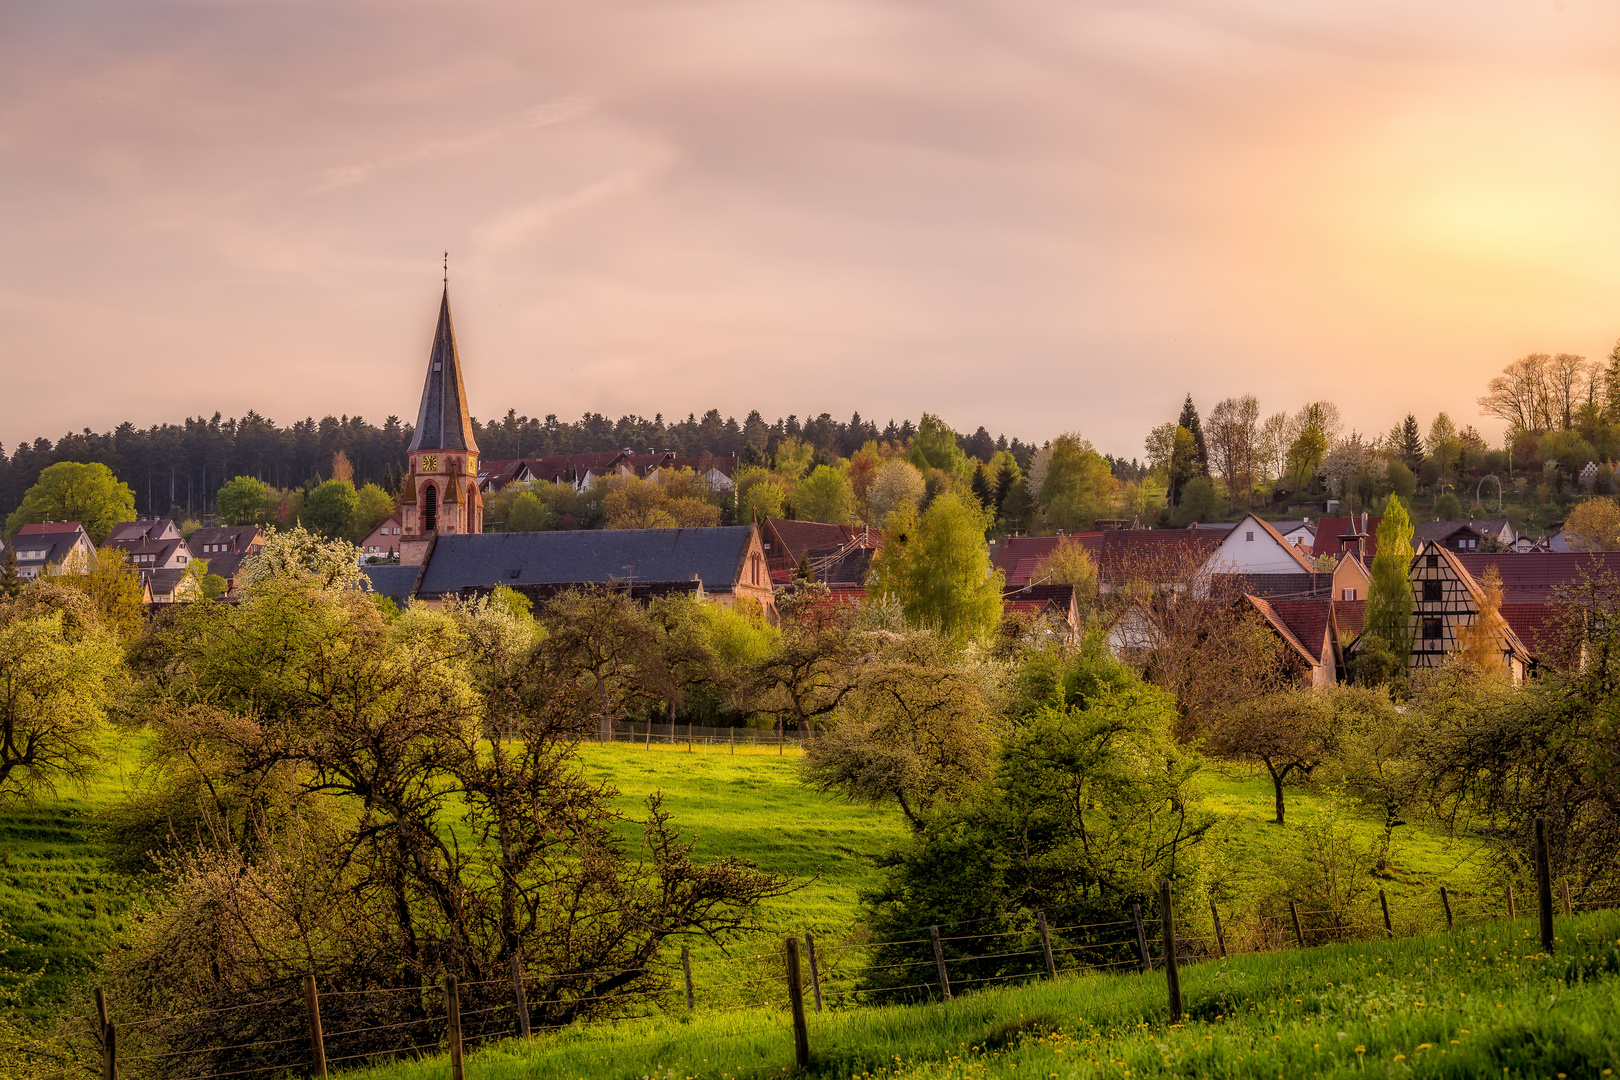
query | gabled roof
[1286, 630]
[1469, 582]
[50, 528]
[1330, 530]
[713, 556]
[1305, 565]
[725, 464]
[1350, 616]
[392, 580]
[238, 537]
[442, 422]
[793, 540]
[1118, 552]
[149, 529]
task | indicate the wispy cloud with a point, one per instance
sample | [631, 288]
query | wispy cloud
[540, 116]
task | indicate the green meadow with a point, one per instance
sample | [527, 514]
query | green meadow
[69, 910]
[1481, 1002]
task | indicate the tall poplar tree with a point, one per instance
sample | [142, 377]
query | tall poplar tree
[1389, 594]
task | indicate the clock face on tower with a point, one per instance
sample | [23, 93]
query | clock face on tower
[430, 463]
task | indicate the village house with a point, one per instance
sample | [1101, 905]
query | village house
[53, 547]
[835, 554]
[225, 548]
[151, 544]
[383, 541]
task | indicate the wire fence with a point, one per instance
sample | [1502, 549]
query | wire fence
[309, 1032]
[708, 739]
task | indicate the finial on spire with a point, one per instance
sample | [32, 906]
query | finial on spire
[447, 268]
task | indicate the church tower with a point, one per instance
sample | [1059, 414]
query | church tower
[441, 495]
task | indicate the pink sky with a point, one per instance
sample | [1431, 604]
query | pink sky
[1038, 216]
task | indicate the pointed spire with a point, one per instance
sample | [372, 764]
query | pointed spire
[442, 423]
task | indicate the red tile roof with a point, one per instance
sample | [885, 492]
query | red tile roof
[1534, 576]
[1350, 616]
[50, 528]
[1328, 531]
[791, 540]
[1118, 552]
[1308, 619]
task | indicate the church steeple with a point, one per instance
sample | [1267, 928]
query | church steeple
[442, 423]
[441, 495]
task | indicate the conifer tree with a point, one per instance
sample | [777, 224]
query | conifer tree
[1189, 420]
[1411, 445]
[10, 580]
[1389, 594]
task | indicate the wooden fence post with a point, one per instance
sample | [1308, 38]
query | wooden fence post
[1220, 934]
[317, 1042]
[109, 1053]
[1544, 906]
[1383, 902]
[519, 995]
[801, 1034]
[1445, 902]
[686, 970]
[1141, 939]
[1513, 909]
[1172, 975]
[452, 1009]
[101, 1027]
[939, 961]
[1046, 944]
[1299, 931]
[1569, 908]
[733, 741]
[815, 972]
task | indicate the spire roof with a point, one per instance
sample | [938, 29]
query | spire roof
[442, 423]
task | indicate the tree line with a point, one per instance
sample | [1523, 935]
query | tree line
[175, 470]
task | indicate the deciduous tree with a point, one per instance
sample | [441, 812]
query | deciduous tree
[937, 568]
[1389, 593]
[70, 491]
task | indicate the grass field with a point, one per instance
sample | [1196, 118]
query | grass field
[1482, 1002]
[69, 910]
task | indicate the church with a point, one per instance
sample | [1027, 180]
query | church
[444, 551]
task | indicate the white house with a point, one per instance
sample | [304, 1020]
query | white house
[1255, 547]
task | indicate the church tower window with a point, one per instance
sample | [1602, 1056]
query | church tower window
[430, 508]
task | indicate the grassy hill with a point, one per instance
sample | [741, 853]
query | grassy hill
[60, 900]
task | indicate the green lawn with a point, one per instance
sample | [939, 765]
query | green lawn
[1482, 1002]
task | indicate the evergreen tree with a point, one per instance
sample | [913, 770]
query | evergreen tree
[1411, 444]
[10, 580]
[1189, 420]
[1389, 594]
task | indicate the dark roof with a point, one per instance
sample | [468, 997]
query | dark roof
[715, 556]
[1535, 576]
[1310, 649]
[1118, 552]
[793, 540]
[442, 422]
[163, 582]
[227, 564]
[841, 566]
[47, 528]
[1350, 616]
[160, 550]
[1308, 619]
[55, 539]
[726, 464]
[392, 580]
[1275, 586]
[1330, 530]
[149, 529]
[239, 537]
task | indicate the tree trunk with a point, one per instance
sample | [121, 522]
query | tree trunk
[1277, 779]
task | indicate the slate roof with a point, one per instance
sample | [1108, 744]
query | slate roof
[393, 580]
[234, 537]
[55, 539]
[1273, 586]
[442, 423]
[148, 530]
[586, 556]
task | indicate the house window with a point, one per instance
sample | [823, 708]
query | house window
[1433, 629]
[1431, 560]
[1431, 592]
[1249, 535]
[1349, 594]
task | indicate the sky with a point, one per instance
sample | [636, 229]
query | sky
[1036, 215]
